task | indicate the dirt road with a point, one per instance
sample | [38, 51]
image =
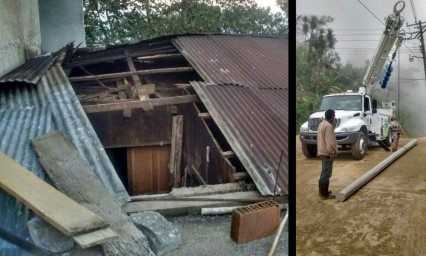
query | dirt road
[385, 217]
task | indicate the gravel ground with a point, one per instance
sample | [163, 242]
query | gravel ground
[210, 236]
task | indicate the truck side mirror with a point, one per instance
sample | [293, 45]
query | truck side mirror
[374, 103]
[311, 108]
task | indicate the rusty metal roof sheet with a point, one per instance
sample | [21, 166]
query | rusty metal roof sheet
[31, 71]
[254, 122]
[250, 61]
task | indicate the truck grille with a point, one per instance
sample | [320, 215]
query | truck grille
[313, 123]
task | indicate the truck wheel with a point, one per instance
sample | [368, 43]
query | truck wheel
[388, 140]
[309, 150]
[359, 147]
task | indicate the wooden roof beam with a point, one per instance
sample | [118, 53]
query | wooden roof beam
[131, 73]
[140, 104]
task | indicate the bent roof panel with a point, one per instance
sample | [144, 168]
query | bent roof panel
[254, 122]
[250, 61]
[31, 71]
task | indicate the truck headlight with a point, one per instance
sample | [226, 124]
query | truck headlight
[304, 129]
[348, 129]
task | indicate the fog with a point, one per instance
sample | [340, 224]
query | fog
[358, 32]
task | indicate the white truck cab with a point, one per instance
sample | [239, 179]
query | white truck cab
[358, 122]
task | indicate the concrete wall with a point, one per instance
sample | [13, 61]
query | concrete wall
[19, 29]
[61, 22]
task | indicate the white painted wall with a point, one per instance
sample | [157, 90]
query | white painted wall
[19, 29]
[61, 22]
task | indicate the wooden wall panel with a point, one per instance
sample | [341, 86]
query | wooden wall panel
[148, 171]
[141, 129]
[196, 138]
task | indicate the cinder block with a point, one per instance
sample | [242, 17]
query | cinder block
[254, 221]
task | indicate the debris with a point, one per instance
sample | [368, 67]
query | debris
[71, 175]
[162, 235]
[254, 221]
[47, 202]
[191, 205]
[47, 237]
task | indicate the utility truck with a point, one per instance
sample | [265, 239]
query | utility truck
[358, 120]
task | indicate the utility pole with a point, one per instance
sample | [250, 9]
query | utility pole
[422, 45]
[419, 36]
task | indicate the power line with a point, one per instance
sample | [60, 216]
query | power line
[371, 12]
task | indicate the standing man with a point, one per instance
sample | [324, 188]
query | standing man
[396, 133]
[327, 148]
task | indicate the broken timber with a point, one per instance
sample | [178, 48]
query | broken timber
[192, 204]
[54, 207]
[140, 104]
[176, 150]
[130, 73]
[71, 175]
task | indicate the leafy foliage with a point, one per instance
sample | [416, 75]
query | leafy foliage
[318, 68]
[119, 21]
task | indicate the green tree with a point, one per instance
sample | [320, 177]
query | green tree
[115, 22]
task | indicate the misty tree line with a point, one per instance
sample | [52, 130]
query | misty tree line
[112, 22]
[318, 67]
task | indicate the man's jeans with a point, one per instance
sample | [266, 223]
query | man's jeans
[327, 169]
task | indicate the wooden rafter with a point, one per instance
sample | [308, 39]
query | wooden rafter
[140, 104]
[130, 73]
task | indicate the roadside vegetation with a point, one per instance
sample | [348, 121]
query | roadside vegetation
[318, 67]
[111, 22]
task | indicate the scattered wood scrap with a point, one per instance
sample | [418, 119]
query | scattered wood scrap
[54, 207]
[71, 175]
[191, 204]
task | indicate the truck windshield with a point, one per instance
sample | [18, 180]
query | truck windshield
[341, 102]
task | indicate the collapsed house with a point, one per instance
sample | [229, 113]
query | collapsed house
[233, 129]
[146, 117]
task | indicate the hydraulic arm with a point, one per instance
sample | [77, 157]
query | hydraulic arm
[390, 35]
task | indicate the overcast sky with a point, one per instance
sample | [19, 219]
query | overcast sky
[358, 32]
[269, 3]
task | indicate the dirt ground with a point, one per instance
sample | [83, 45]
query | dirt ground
[385, 217]
[210, 236]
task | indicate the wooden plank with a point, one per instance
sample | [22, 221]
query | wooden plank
[204, 115]
[51, 205]
[127, 113]
[182, 86]
[197, 175]
[72, 175]
[140, 104]
[119, 57]
[160, 56]
[228, 154]
[194, 206]
[176, 150]
[95, 237]
[240, 175]
[90, 74]
[130, 73]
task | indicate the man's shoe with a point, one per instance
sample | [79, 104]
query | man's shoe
[329, 196]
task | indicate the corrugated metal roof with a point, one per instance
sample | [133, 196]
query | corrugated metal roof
[250, 61]
[31, 71]
[17, 128]
[245, 90]
[27, 111]
[254, 122]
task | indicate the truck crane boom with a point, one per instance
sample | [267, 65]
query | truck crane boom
[390, 35]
